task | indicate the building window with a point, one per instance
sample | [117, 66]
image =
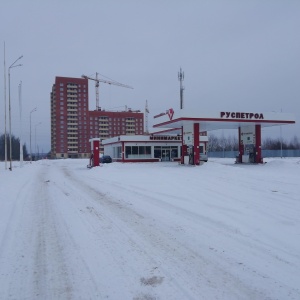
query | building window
[138, 152]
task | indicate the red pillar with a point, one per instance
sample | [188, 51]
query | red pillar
[96, 152]
[258, 157]
[183, 147]
[241, 147]
[196, 144]
[123, 152]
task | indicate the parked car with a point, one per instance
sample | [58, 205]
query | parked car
[105, 159]
[203, 157]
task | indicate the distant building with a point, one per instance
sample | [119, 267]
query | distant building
[106, 124]
[72, 124]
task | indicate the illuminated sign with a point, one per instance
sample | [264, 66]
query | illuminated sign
[241, 115]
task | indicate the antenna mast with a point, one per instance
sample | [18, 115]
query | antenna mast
[181, 78]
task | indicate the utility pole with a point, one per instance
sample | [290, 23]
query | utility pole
[20, 106]
[181, 78]
[281, 139]
[5, 136]
[13, 65]
[33, 110]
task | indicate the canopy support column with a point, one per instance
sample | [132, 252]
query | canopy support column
[196, 144]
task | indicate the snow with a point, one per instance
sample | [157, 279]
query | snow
[147, 231]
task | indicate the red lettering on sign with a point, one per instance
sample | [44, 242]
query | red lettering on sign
[240, 115]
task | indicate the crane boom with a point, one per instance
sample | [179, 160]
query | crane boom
[98, 80]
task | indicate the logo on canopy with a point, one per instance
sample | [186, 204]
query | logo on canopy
[171, 113]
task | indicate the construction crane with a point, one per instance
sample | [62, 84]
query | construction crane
[146, 117]
[97, 83]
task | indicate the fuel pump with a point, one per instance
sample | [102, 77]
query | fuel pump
[94, 157]
[247, 143]
[251, 152]
[191, 154]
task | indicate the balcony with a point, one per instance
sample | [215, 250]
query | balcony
[71, 95]
[72, 123]
[71, 151]
[72, 90]
[72, 110]
[103, 126]
[72, 104]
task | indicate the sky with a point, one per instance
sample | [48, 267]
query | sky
[150, 230]
[236, 55]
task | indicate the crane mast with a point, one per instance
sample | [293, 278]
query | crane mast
[146, 117]
[97, 91]
[97, 84]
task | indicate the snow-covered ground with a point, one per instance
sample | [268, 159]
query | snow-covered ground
[149, 231]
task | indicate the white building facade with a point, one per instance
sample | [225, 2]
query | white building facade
[147, 148]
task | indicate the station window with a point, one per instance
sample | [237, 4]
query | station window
[138, 151]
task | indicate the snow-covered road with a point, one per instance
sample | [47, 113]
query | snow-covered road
[150, 231]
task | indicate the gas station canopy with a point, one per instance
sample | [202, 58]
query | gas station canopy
[248, 125]
[220, 120]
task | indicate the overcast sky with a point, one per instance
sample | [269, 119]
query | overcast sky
[236, 55]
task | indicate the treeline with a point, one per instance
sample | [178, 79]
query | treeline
[15, 148]
[230, 143]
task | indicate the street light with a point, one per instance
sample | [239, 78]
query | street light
[35, 135]
[5, 136]
[30, 133]
[9, 109]
[20, 106]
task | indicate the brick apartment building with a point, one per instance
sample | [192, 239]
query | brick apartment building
[72, 124]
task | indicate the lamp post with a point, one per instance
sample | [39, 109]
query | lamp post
[9, 110]
[20, 106]
[30, 132]
[5, 136]
[35, 135]
[281, 139]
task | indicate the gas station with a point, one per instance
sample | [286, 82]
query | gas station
[247, 124]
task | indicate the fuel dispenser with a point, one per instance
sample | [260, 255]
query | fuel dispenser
[249, 150]
[191, 154]
[94, 157]
[248, 143]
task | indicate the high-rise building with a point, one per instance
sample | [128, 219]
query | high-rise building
[72, 124]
